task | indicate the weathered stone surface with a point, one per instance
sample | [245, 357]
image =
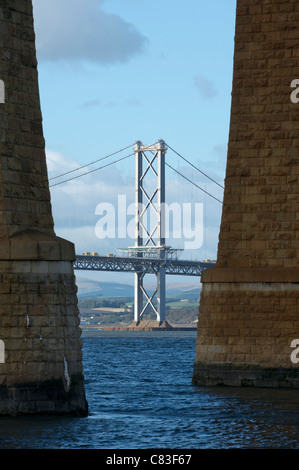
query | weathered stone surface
[39, 325]
[39, 322]
[249, 307]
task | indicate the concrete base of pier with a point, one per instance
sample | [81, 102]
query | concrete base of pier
[230, 375]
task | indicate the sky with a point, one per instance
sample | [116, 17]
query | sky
[112, 72]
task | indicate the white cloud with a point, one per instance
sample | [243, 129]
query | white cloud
[221, 149]
[58, 164]
[205, 87]
[74, 202]
[130, 102]
[71, 30]
[91, 104]
[83, 238]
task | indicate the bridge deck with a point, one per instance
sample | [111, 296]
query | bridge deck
[143, 265]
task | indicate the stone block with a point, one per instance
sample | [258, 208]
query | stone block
[24, 250]
[67, 250]
[49, 250]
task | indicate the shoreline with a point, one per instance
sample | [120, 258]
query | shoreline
[142, 327]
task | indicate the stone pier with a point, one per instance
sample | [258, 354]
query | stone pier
[249, 306]
[42, 370]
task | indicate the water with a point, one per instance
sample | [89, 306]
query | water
[140, 396]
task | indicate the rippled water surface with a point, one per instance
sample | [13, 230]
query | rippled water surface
[140, 396]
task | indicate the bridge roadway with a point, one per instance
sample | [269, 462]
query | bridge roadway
[141, 265]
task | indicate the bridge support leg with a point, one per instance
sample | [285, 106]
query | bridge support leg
[138, 297]
[161, 295]
[155, 237]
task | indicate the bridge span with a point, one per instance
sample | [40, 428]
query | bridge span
[140, 265]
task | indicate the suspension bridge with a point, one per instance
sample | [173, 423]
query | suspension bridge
[150, 253]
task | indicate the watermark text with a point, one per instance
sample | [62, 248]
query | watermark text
[295, 93]
[179, 221]
[2, 352]
[2, 92]
[295, 353]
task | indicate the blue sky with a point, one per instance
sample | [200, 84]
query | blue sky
[112, 72]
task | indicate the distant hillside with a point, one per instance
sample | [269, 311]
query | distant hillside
[189, 294]
[91, 288]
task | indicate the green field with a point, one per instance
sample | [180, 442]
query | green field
[182, 303]
[116, 305]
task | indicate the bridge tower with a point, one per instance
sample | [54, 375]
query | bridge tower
[150, 237]
[249, 307]
[41, 359]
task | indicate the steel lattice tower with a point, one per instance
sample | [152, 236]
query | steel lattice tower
[150, 161]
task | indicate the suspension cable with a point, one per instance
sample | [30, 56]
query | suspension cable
[91, 171]
[192, 182]
[187, 161]
[88, 164]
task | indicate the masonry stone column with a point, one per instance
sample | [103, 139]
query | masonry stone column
[41, 368]
[249, 306]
